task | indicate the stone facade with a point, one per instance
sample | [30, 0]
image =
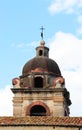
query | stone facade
[53, 100]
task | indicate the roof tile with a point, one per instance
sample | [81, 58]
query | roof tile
[41, 120]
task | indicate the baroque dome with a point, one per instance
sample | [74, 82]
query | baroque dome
[45, 63]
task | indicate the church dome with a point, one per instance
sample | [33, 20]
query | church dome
[45, 63]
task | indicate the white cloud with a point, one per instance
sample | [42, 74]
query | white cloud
[66, 50]
[80, 3]
[6, 105]
[68, 6]
[79, 20]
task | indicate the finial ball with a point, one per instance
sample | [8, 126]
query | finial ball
[42, 43]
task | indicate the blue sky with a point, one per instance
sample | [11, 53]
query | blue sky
[20, 22]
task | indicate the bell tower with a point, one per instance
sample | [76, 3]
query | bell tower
[40, 90]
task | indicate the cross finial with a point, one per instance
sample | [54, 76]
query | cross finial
[42, 32]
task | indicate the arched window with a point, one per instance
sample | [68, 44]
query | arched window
[38, 82]
[37, 110]
[40, 53]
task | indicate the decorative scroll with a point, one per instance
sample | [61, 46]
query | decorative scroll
[16, 82]
[59, 80]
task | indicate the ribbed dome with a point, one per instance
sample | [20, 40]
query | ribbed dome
[45, 63]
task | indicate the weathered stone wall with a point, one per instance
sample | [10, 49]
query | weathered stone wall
[54, 101]
[37, 128]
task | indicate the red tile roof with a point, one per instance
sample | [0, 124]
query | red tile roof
[43, 120]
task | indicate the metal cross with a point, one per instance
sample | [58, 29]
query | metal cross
[42, 32]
